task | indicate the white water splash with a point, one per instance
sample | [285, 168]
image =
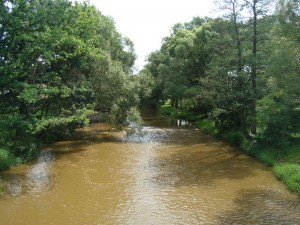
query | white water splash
[39, 176]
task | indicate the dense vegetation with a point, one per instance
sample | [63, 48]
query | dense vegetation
[241, 74]
[235, 76]
[59, 63]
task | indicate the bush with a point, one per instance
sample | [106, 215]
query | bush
[267, 157]
[5, 160]
[166, 110]
[25, 148]
[208, 126]
[289, 173]
[233, 136]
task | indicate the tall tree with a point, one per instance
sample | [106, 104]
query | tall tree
[233, 10]
[256, 8]
[279, 110]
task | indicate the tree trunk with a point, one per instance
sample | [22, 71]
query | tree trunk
[253, 71]
[243, 124]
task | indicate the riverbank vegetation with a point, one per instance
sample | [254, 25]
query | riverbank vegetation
[241, 73]
[284, 160]
[235, 76]
[60, 62]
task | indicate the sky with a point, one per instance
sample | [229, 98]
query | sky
[147, 22]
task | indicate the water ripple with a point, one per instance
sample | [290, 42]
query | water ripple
[39, 176]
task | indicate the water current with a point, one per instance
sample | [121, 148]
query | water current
[165, 173]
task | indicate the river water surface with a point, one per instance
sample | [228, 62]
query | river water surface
[164, 174]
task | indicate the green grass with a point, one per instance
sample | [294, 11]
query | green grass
[285, 162]
[289, 173]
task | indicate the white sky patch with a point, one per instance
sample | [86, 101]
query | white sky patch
[146, 22]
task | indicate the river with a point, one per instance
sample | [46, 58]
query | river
[166, 173]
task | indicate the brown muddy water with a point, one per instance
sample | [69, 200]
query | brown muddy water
[167, 173]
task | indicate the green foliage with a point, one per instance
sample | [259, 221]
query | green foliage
[241, 74]
[293, 151]
[233, 136]
[208, 126]
[278, 113]
[167, 110]
[5, 160]
[269, 155]
[285, 161]
[277, 117]
[114, 92]
[58, 61]
[289, 173]
[180, 115]
[145, 83]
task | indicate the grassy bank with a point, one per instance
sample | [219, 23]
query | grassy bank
[285, 161]
[6, 160]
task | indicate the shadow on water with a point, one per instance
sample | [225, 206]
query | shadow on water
[166, 122]
[69, 147]
[200, 167]
[189, 157]
[262, 207]
[171, 169]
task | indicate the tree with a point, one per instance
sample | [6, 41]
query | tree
[52, 53]
[279, 115]
[257, 8]
[182, 60]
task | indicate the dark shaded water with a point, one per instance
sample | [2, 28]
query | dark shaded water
[165, 174]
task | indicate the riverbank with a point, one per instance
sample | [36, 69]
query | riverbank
[94, 132]
[163, 174]
[5, 163]
[285, 160]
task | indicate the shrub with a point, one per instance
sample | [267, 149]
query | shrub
[208, 126]
[233, 136]
[289, 173]
[266, 157]
[25, 148]
[166, 110]
[5, 161]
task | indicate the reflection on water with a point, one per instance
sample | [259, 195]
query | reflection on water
[181, 122]
[15, 187]
[262, 206]
[164, 173]
[36, 179]
[39, 176]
